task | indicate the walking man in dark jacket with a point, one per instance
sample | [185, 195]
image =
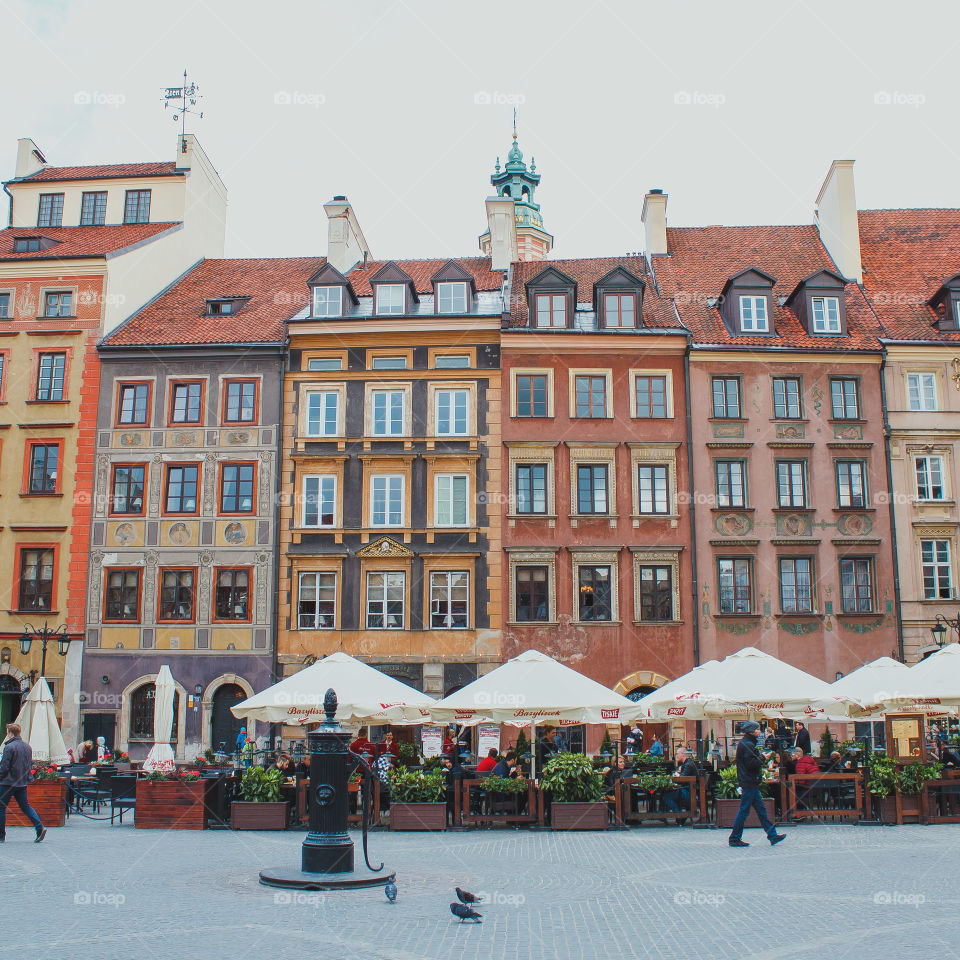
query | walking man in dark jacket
[749, 776]
[14, 776]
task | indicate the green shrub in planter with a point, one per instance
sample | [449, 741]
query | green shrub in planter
[260, 785]
[409, 755]
[727, 787]
[571, 778]
[914, 775]
[882, 773]
[416, 786]
[505, 784]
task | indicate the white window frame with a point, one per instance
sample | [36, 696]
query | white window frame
[825, 323]
[316, 587]
[449, 499]
[388, 483]
[455, 395]
[326, 491]
[938, 567]
[388, 413]
[927, 461]
[326, 303]
[446, 586]
[925, 393]
[368, 595]
[451, 290]
[393, 309]
[753, 320]
[562, 297]
[323, 420]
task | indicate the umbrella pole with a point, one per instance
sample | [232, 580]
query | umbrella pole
[533, 750]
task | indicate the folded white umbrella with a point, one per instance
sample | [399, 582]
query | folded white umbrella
[746, 684]
[39, 727]
[364, 695]
[534, 688]
[161, 752]
[931, 687]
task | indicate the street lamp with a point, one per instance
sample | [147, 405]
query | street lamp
[45, 636]
[940, 627]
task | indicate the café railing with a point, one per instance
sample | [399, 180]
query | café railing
[475, 804]
[823, 796]
[628, 787]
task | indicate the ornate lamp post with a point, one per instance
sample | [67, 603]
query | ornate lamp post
[45, 635]
[941, 626]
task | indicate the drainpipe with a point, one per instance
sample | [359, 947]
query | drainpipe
[890, 503]
[692, 507]
[277, 491]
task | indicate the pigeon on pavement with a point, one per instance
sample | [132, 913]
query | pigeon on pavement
[465, 913]
[391, 891]
[465, 896]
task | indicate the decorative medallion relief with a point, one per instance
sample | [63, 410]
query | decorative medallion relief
[185, 438]
[125, 534]
[794, 525]
[733, 524]
[235, 533]
[728, 431]
[180, 534]
[854, 524]
[131, 439]
[791, 431]
[236, 437]
[847, 431]
[385, 547]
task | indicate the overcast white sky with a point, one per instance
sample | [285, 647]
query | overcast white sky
[736, 109]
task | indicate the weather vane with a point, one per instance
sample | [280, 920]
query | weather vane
[183, 100]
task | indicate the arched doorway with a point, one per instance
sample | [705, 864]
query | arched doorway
[224, 726]
[9, 701]
[638, 685]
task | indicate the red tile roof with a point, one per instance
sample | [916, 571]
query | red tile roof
[104, 171]
[421, 271]
[906, 256]
[277, 290]
[657, 312]
[80, 241]
[700, 260]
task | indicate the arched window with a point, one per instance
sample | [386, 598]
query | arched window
[141, 713]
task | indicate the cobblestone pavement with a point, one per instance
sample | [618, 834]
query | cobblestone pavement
[96, 891]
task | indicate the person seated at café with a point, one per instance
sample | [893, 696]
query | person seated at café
[88, 752]
[546, 746]
[448, 744]
[489, 762]
[286, 765]
[679, 798]
[837, 764]
[389, 745]
[635, 739]
[804, 763]
[949, 755]
[768, 742]
[506, 766]
[612, 778]
[363, 746]
[656, 748]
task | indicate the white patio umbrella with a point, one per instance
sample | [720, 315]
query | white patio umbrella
[876, 682]
[39, 727]
[161, 752]
[746, 684]
[364, 695]
[931, 686]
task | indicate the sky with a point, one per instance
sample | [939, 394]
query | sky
[734, 109]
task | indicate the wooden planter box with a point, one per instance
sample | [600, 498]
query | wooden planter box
[245, 815]
[418, 816]
[172, 805]
[48, 798]
[908, 808]
[579, 816]
[726, 812]
[884, 808]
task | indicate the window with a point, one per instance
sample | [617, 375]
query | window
[845, 398]
[449, 601]
[176, 595]
[43, 464]
[181, 488]
[186, 402]
[51, 210]
[451, 298]
[736, 585]
[141, 713]
[619, 310]
[50, 373]
[551, 310]
[387, 413]
[532, 594]
[224, 308]
[726, 398]
[134, 398]
[651, 394]
[136, 207]
[594, 600]
[93, 209]
[236, 487]
[791, 483]
[316, 607]
[937, 569]
[922, 391]
[319, 501]
[753, 315]
[652, 488]
[929, 478]
[591, 396]
[592, 488]
[452, 361]
[327, 301]
[240, 401]
[531, 394]
[36, 579]
[531, 488]
[325, 363]
[386, 501]
[5, 306]
[856, 585]
[656, 593]
[26, 244]
[452, 409]
[388, 363]
[450, 500]
[796, 585]
[731, 483]
[58, 304]
[232, 601]
[126, 488]
[851, 483]
[122, 597]
[826, 314]
[385, 600]
[391, 299]
[786, 398]
[322, 410]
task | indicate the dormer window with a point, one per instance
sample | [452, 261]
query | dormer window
[390, 299]
[819, 304]
[452, 297]
[328, 301]
[619, 309]
[946, 304]
[32, 244]
[826, 314]
[551, 310]
[618, 299]
[551, 300]
[225, 307]
[753, 315]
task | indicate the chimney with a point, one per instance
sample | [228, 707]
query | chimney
[836, 219]
[500, 240]
[654, 218]
[346, 245]
[29, 159]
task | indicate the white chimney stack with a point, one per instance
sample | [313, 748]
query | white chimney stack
[654, 218]
[346, 245]
[836, 218]
[500, 240]
[29, 159]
